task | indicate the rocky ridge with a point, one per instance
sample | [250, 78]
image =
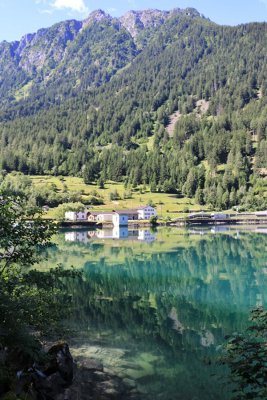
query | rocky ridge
[47, 47]
[136, 21]
[89, 52]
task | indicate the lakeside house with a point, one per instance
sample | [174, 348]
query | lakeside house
[146, 212]
[117, 217]
[120, 218]
[76, 216]
[100, 217]
[261, 213]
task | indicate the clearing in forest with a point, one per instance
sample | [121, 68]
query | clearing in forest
[173, 119]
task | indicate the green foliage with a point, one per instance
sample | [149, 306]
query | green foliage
[153, 220]
[29, 300]
[151, 203]
[128, 194]
[246, 356]
[114, 195]
[16, 183]
[62, 208]
[21, 232]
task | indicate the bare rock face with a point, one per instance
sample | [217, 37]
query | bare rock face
[47, 47]
[96, 17]
[136, 21]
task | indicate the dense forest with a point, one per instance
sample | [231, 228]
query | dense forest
[100, 106]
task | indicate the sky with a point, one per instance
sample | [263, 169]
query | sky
[18, 17]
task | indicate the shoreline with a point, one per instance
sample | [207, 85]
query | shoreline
[94, 225]
[180, 222]
[234, 221]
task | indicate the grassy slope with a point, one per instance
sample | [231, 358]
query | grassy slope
[171, 207]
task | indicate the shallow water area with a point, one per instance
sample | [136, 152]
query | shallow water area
[154, 306]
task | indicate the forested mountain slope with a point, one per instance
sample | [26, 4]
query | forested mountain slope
[74, 55]
[99, 105]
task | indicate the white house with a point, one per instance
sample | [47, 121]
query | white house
[76, 216]
[146, 212]
[104, 217]
[101, 217]
[220, 216]
[261, 213]
[120, 218]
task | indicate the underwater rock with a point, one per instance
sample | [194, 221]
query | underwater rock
[61, 360]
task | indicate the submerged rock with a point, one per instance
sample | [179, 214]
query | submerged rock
[90, 384]
[61, 378]
[62, 360]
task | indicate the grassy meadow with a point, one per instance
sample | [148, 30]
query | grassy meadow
[168, 205]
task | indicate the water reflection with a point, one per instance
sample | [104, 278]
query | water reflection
[117, 232]
[155, 306]
[147, 235]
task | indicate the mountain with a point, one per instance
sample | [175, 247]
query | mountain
[163, 98]
[88, 52]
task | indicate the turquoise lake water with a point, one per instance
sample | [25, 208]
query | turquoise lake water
[155, 306]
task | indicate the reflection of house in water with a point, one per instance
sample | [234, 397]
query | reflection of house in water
[146, 236]
[91, 234]
[77, 236]
[198, 232]
[117, 232]
[261, 230]
[122, 232]
[207, 230]
[219, 229]
[104, 234]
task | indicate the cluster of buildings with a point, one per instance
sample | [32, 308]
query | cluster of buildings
[115, 217]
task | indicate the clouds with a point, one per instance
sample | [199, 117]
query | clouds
[74, 5]
[65, 5]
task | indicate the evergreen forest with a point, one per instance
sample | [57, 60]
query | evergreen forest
[178, 105]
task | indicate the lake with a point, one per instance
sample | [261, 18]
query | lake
[155, 306]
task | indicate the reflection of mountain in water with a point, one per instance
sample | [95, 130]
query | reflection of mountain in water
[117, 232]
[166, 305]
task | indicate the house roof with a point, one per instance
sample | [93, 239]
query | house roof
[121, 213]
[126, 211]
[100, 213]
[143, 207]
